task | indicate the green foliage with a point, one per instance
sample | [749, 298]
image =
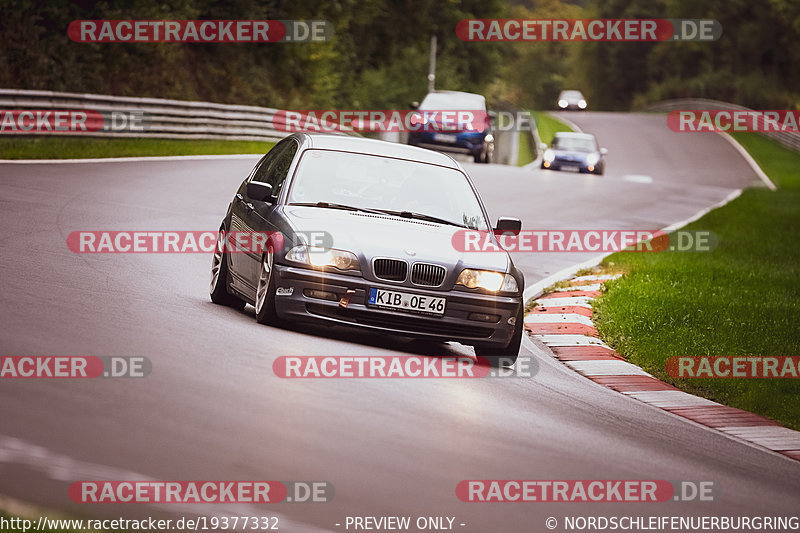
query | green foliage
[754, 63]
[533, 73]
[378, 56]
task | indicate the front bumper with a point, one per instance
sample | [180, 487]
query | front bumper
[580, 166]
[455, 325]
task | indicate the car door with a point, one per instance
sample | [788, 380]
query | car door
[239, 213]
[259, 213]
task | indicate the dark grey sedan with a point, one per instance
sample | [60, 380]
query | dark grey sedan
[387, 214]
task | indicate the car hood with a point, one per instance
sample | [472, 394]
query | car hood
[373, 235]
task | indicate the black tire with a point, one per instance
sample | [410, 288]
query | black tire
[507, 356]
[478, 157]
[219, 275]
[265, 290]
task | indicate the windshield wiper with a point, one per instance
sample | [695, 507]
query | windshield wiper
[423, 216]
[403, 214]
[330, 205]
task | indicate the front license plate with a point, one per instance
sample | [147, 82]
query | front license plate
[403, 301]
[444, 138]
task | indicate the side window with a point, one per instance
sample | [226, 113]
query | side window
[279, 167]
[275, 165]
[262, 171]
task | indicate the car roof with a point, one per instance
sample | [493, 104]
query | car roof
[574, 135]
[363, 145]
[477, 100]
[571, 92]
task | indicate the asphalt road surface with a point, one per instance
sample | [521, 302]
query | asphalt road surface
[213, 409]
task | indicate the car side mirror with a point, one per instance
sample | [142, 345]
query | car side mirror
[543, 146]
[414, 105]
[260, 191]
[603, 151]
[508, 225]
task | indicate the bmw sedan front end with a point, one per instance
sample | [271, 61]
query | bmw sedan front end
[387, 261]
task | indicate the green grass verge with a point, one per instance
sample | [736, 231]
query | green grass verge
[525, 154]
[548, 125]
[46, 147]
[743, 298]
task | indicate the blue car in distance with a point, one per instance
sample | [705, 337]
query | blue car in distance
[574, 151]
[476, 140]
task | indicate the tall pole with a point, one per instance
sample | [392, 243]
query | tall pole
[432, 65]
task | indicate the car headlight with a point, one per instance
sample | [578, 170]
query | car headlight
[582, 104]
[592, 159]
[489, 138]
[487, 279]
[549, 155]
[562, 103]
[318, 257]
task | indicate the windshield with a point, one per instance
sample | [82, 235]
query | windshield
[454, 102]
[576, 95]
[574, 144]
[381, 183]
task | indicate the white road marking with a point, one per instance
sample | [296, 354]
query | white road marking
[606, 368]
[732, 196]
[638, 178]
[558, 318]
[772, 437]
[581, 301]
[568, 122]
[670, 398]
[593, 287]
[750, 161]
[597, 277]
[570, 340]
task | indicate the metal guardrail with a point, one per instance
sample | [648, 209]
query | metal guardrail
[170, 119]
[788, 139]
[186, 119]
